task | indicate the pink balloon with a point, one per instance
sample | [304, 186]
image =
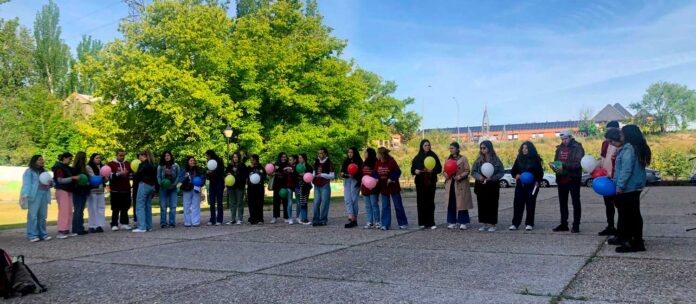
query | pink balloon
[308, 177]
[270, 168]
[369, 182]
[105, 171]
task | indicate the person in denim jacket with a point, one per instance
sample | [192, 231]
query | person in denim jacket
[37, 197]
[168, 175]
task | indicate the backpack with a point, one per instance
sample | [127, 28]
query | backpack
[16, 277]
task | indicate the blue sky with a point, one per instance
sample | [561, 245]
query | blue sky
[527, 61]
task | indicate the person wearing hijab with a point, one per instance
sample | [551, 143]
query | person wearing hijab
[426, 181]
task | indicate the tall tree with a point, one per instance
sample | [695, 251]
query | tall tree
[52, 56]
[668, 104]
[16, 56]
[87, 51]
[246, 7]
[311, 8]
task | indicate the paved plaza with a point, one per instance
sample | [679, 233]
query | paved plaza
[280, 263]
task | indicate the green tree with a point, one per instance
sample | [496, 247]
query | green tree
[667, 104]
[52, 55]
[16, 56]
[671, 162]
[246, 7]
[87, 51]
[311, 8]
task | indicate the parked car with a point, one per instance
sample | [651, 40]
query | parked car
[692, 179]
[507, 180]
[549, 180]
[652, 177]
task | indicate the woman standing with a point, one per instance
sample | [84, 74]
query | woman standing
[389, 173]
[65, 183]
[147, 174]
[280, 182]
[528, 160]
[168, 173]
[80, 194]
[487, 189]
[426, 180]
[371, 196]
[629, 175]
[37, 197]
[96, 204]
[192, 192]
[217, 184]
[323, 174]
[351, 186]
[235, 194]
[291, 181]
[303, 188]
[457, 191]
[255, 191]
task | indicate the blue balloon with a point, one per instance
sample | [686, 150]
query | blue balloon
[604, 186]
[198, 182]
[526, 178]
[95, 181]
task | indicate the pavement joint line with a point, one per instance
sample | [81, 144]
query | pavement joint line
[231, 272]
[562, 295]
[634, 258]
[494, 252]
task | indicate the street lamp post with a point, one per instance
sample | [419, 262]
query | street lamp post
[228, 134]
[457, 101]
[423, 113]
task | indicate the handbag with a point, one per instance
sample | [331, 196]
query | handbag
[271, 183]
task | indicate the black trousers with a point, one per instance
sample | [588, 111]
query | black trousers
[524, 198]
[136, 185]
[425, 204]
[487, 196]
[630, 225]
[574, 189]
[120, 203]
[255, 202]
[277, 202]
[609, 205]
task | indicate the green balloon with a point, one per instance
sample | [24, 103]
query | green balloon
[283, 193]
[83, 180]
[166, 183]
[300, 168]
[558, 164]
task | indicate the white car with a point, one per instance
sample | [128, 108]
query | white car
[507, 180]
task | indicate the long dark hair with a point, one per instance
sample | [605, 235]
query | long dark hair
[64, 156]
[163, 162]
[33, 166]
[240, 161]
[80, 162]
[280, 156]
[531, 151]
[356, 156]
[489, 147]
[92, 164]
[304, 156]
[187, 166]
[634, 136]
[421, 151]
[371, 159]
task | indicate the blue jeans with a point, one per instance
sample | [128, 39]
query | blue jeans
[192, 208]
[79, 203]
[144, 206]
[351, 196]
[292, 201]
[215, 200]
[301, 210]
[454, 216]
[322, 201]
[168, 199]
[36, 215]
[372, 208]
[398, 207]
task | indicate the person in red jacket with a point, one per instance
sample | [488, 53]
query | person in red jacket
[120, 191]
[389, 172]
[607, 157]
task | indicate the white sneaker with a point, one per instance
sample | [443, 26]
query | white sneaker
[138, 230]
[298, 220]
[378, 225]
[383, 228]
[451, 226]
[73, 234]
[421, 227]
[239, 222]
[62, 236]
[463, 227]
[47, 238]
[290, 222]
[228, 223]
[286, 221]
[34, 239]
[211, 223]
[368, 226]
[433, 227]
[512, 228]
[483, 228]
[529, 228]
[491, 229]
[126, 227]
[114, 228]
[218, 224]
[403, 227]
[274, 220]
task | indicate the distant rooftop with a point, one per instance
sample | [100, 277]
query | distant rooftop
[514, 127]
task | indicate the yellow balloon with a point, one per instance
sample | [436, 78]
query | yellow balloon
[135, 164]
[229, 180]
[429, 163]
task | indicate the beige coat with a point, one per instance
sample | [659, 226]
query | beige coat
[461, 187]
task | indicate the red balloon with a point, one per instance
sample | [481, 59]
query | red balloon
[599, 172]
[451, 167]
[352, 169]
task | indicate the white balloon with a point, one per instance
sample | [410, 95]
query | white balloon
[487, 169]
[212, 165]
[255, 178]
[588, 163]
[45, 178]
